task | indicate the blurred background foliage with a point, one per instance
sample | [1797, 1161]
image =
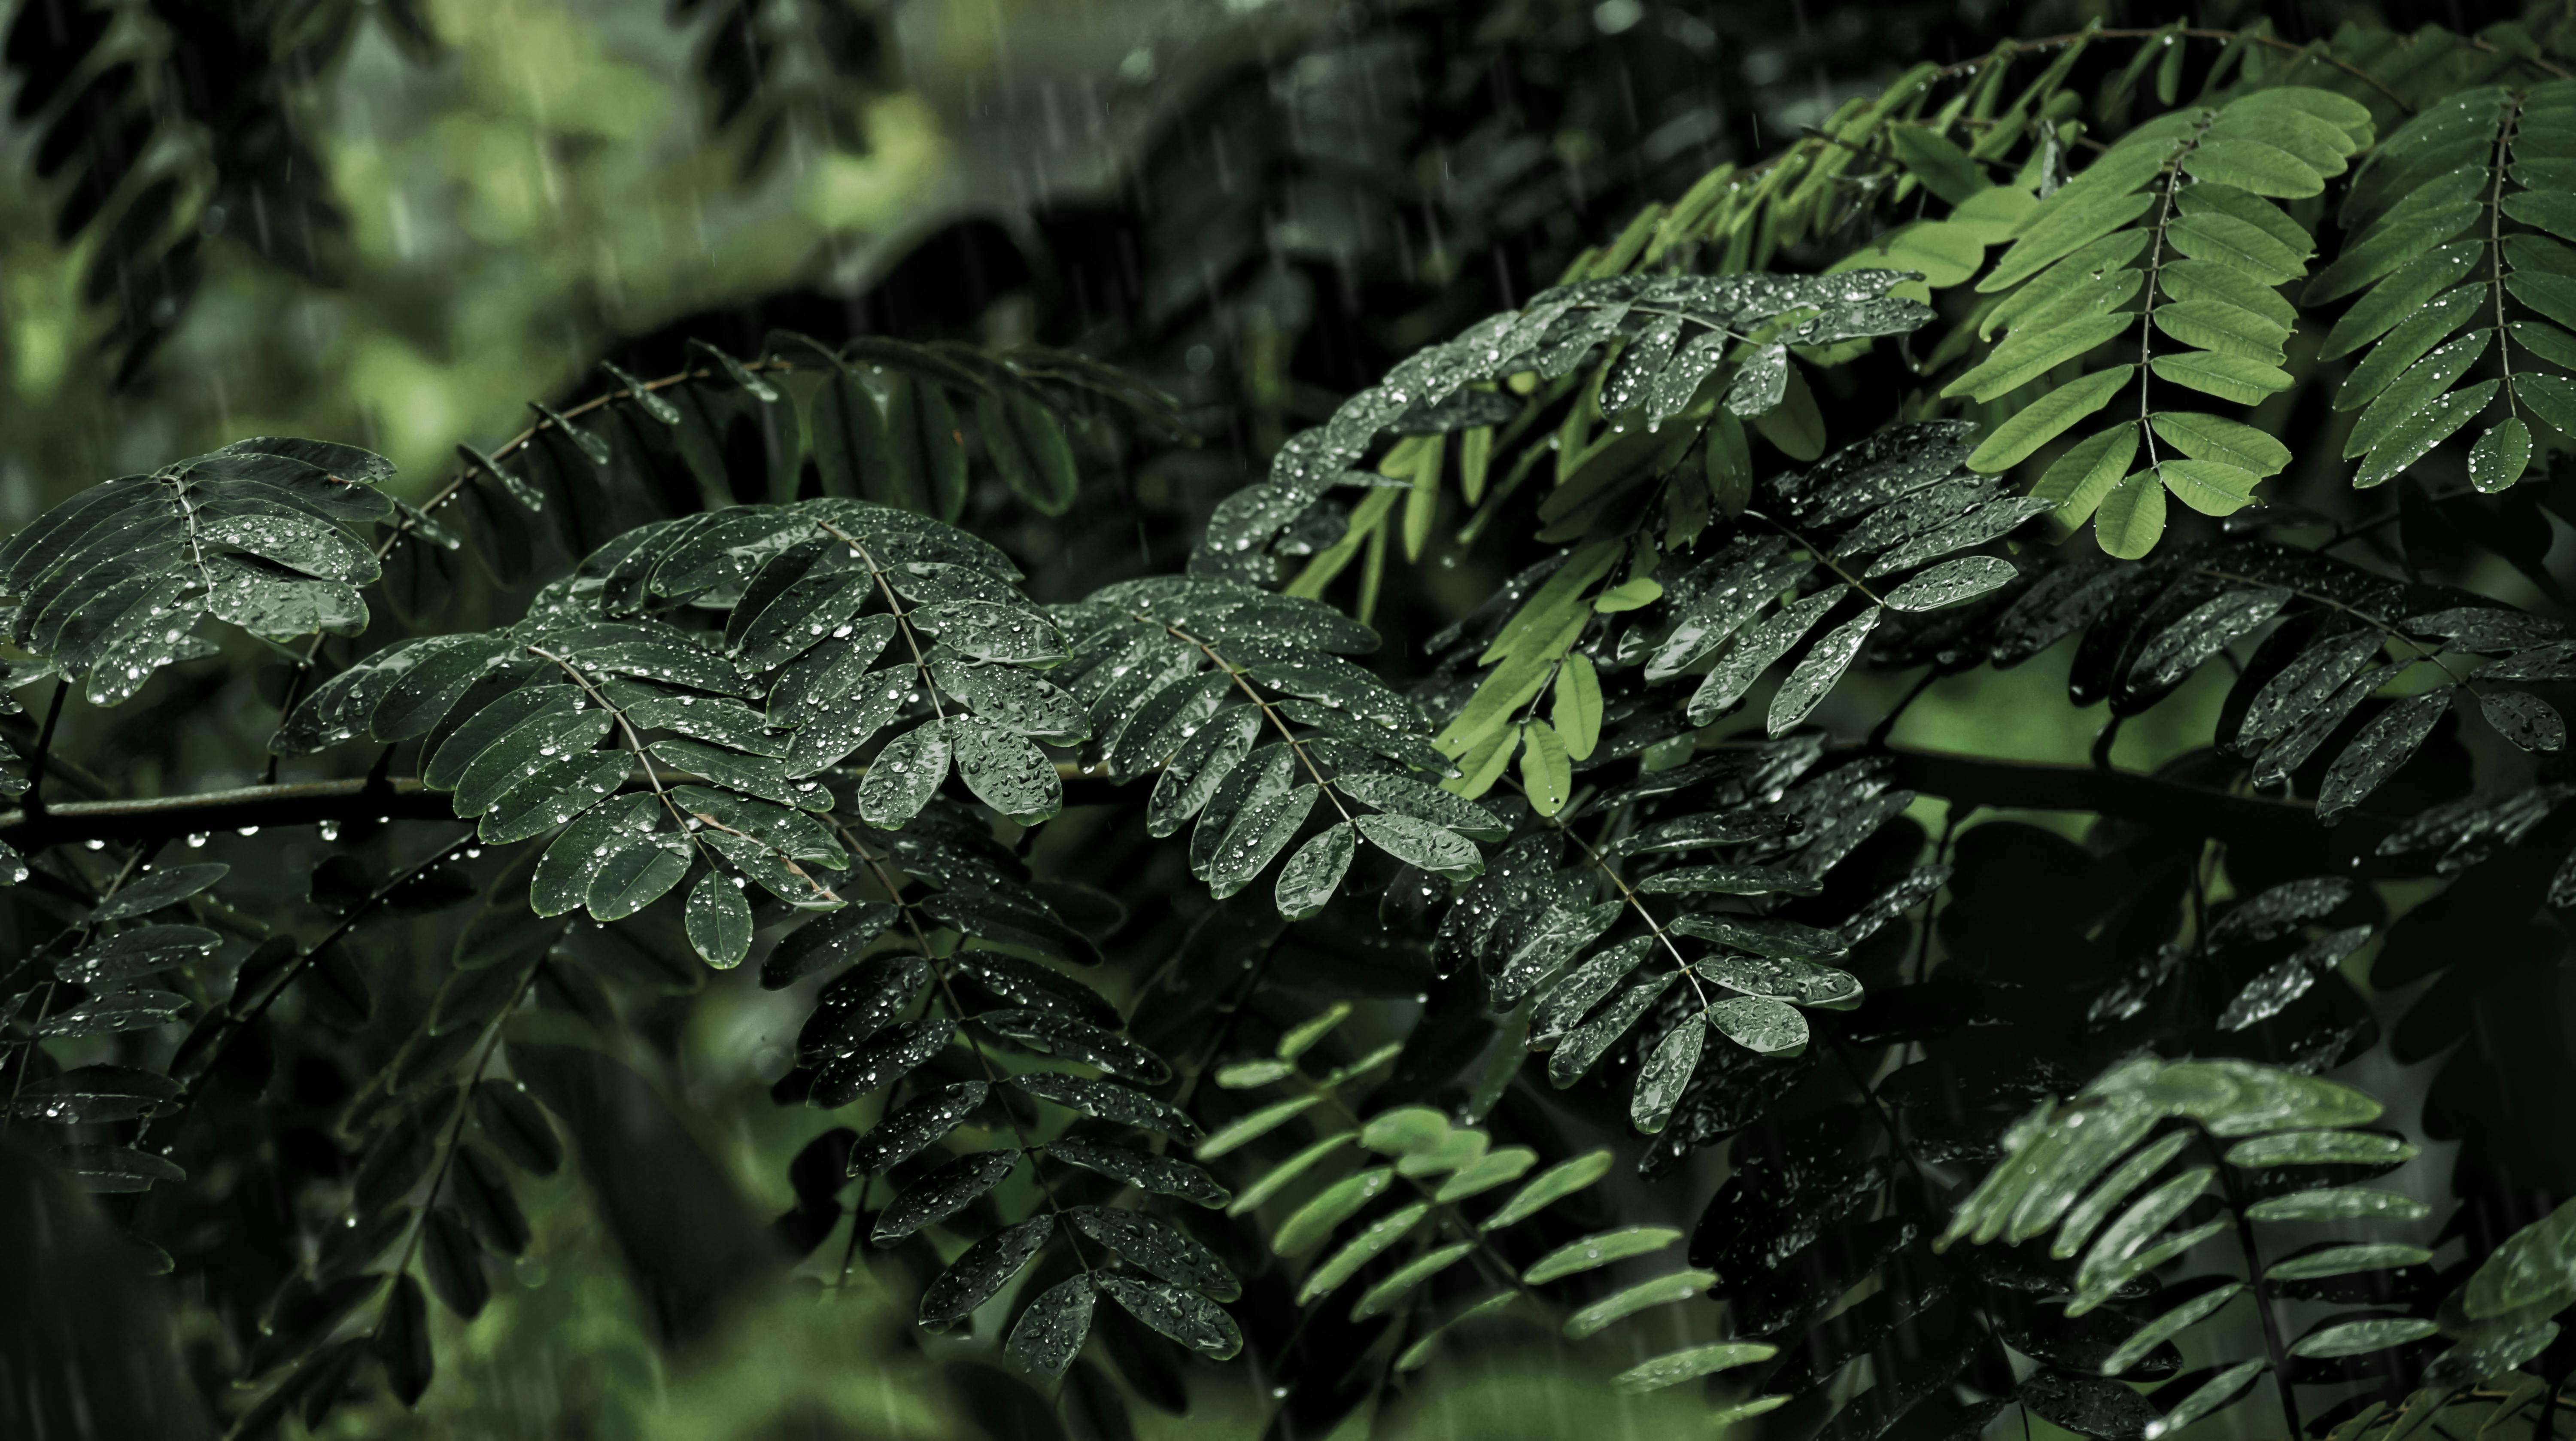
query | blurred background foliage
[397, 223]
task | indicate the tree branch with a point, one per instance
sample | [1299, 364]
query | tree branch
[1958, 776]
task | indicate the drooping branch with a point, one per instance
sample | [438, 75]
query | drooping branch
[1966, 779]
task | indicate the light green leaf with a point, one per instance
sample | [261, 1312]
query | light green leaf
[2251, 165]
[1673, 1368]
[1662, 1291]
[1600, 1249]
[1278, 1177]
[2319, 1148]
[2169, 1325]
[1312, 1224]
[2238, 245]
[2024, 358]
[2359, 1338]
[2047, 417]
[2208, 486]
[2132, 516]
[2401, 295]
[1547, 772]
[1361, 1249]
[1576, 708]
[2079, 479]
[1549, 1186]
[2229, 377]
[2207, 437]
[2222, 327]
[2187, 280]
[2344, 1260]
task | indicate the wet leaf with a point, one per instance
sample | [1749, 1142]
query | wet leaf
[903, 777]
[719, 920]
[1185, 1316]
[1159, 1174]
[941, 1194]
[901, 1135]
[982, 1270]
[1054, 1326]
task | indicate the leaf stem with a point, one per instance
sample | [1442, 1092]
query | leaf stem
[2274, 1347]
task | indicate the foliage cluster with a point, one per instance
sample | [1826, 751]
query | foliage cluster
[1176, 944]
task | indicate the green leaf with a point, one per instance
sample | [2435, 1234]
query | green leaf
[1548, 1187]
[2229, 377]
[903, 777]
[2343, 1203]
[2208, 486]
[2550, 397]
[2078, 480]
[1258, 835]
[2413, 434]
[1185, 1316]
[2103, 199]
[2238, 245]
[2401, 295]
[2026, 357]
[2207, 437]
[1796, 426]
[2169, 1325]
[1161, 1175]
[719, 920]
[1109, 1101]
[157, 888]
[1665, 1075]
[1307, 882]
[2359, 1338]
[1601, 1249]
[1278, 1177]
[1054, 1326]
[2534, 1270]
[1158, 1247]
[1312, 1224]
[1250, 1128]
[1371, 1243]
[2132, 516]
[1418, 842]
[1818, 670]
[2500, 456]
[1401, 1282]
[1662, 1291]
[1675, 1367]
[1079, 1041]
[1005, 771]
[982, 1270]
[2319, 1148]
[1931, 157]
[942, 1193]
[2251, 165]
[2344, 1260]
[1760, 1025]
[2213, 1394]
[2546, 210]
[1547, 772]
[2198, 280]
[2047, 417]
[2222, 327]
[1575, 711]
[901, 1135]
